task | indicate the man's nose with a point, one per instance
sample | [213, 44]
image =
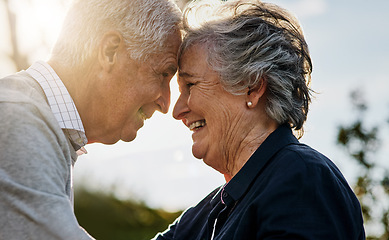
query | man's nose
[163, 101]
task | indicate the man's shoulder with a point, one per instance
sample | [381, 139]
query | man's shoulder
[21, 87]
[22, 98]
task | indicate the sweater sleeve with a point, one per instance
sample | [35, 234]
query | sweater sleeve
[35, 170]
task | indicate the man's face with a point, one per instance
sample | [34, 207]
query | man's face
[131, 92]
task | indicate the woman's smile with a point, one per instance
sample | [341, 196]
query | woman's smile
[195, 126]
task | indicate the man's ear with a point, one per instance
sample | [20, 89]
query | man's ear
[254, 94]
[108, 49]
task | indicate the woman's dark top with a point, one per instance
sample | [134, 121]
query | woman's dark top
[286, 190]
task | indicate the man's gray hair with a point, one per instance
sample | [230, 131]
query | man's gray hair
[144, 25]
[249, 42]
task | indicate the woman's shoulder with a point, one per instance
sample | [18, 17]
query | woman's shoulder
[302, 165]
[304, 156]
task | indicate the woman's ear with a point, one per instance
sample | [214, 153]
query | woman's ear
[108, 49]
[254, 94]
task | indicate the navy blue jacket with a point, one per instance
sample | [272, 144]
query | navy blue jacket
[286, 190]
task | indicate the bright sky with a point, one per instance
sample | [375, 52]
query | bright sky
[349, 47]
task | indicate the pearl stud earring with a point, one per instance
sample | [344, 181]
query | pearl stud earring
[249, 104]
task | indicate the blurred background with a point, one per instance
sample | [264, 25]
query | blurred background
[133, 190]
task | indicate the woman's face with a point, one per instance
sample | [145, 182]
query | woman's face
[214, 115]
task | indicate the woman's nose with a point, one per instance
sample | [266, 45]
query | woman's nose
[181, 107]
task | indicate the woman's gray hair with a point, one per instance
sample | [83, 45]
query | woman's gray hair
[249, 42]
[144, 25]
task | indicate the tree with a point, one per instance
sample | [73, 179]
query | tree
[19, 59]
[106, 217]
[362, 143]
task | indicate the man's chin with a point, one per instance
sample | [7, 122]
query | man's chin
[109, 142]
[115, 140]
[129, 138]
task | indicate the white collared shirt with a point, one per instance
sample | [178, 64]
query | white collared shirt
[61, 103]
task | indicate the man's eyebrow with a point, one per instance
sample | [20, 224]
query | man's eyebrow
[184, 74]
[172, 68]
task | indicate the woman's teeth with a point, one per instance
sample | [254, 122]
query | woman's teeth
[197, 124]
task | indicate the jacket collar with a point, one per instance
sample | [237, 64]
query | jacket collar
[277, 140]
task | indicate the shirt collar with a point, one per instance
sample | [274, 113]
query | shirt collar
[217, 197]
[61, 103]
[240, 183]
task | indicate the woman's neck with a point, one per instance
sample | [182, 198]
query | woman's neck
[247, 147]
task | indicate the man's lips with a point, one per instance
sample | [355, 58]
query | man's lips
[143, 115]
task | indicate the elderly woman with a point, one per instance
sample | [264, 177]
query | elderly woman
[243, 78]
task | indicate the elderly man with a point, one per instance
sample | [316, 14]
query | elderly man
[109, 72]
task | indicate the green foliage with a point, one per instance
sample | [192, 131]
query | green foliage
[372, 189]
[359, 141]
[106, 217]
